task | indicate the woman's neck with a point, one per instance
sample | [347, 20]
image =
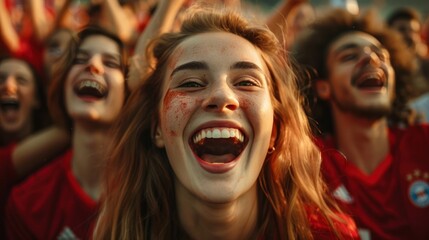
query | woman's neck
[89, 146]
[231, 220]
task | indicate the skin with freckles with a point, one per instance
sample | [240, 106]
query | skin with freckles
[219, 94]
[214, 143]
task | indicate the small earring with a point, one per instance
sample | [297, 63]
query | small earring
[271, 150]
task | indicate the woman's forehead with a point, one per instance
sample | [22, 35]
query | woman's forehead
[99, 44]
[14, 66]
[219, 46]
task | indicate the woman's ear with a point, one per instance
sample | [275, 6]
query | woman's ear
[159, 138]
[273, 136]
[323, 89]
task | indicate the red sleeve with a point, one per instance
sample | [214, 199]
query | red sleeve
[7, 171]
[7, 179]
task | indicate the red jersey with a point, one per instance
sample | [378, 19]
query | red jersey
[393, 201]
[50, 205]
[7, 179]
[7, 170]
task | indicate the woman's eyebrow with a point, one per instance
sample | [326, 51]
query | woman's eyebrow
[82, 51]
[194, 65]
[105, 54]
[245, 65]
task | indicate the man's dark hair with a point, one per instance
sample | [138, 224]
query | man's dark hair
[406, 13]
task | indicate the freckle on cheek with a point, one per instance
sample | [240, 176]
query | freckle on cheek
[245, 104]
[175, 107]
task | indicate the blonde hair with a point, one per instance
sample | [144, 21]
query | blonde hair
[139, 201]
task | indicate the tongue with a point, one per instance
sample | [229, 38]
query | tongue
[218, 158]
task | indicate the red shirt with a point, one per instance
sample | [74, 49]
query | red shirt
[7, 179]
[393, 201]
[50, 205]
[7, 170]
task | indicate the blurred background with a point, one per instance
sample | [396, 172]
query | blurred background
[384, 6]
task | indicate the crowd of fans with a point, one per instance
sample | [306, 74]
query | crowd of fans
[204, 119]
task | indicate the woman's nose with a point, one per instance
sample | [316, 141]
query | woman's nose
[221, 97]
[9, 85]
[95, 65]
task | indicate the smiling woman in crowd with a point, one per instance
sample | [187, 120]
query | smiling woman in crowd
[214, 144]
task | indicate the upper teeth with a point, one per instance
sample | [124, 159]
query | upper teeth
[88, 83]
[218, 133]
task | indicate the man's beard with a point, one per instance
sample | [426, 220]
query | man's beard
[369, 112]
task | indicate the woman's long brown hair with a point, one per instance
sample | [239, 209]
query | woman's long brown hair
[139, 200]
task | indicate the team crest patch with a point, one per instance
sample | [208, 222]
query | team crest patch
[419, 189]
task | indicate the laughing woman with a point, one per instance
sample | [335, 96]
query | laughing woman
[61, 200]
[26, 143]
[214, 144]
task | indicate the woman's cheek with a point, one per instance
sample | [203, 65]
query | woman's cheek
[256, 107]
[176, 112]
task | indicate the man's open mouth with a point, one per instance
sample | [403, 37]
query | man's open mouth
[90, 88]
[218, 145]
[371, 81]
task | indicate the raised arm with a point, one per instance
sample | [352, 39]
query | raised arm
[278, 22]
[161, 22]
[38, 149]
[120, 19]
[42, 25]
[7, 31]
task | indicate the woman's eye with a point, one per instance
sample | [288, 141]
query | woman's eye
[21, 80]
[190, 84]
[247, 82]
[112, 64]
[3, 78]
[55, 52]
[80, 60]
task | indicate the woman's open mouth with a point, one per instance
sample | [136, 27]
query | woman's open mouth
[9, 108]
[9, 104]
[218, 146]
[90, 89]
